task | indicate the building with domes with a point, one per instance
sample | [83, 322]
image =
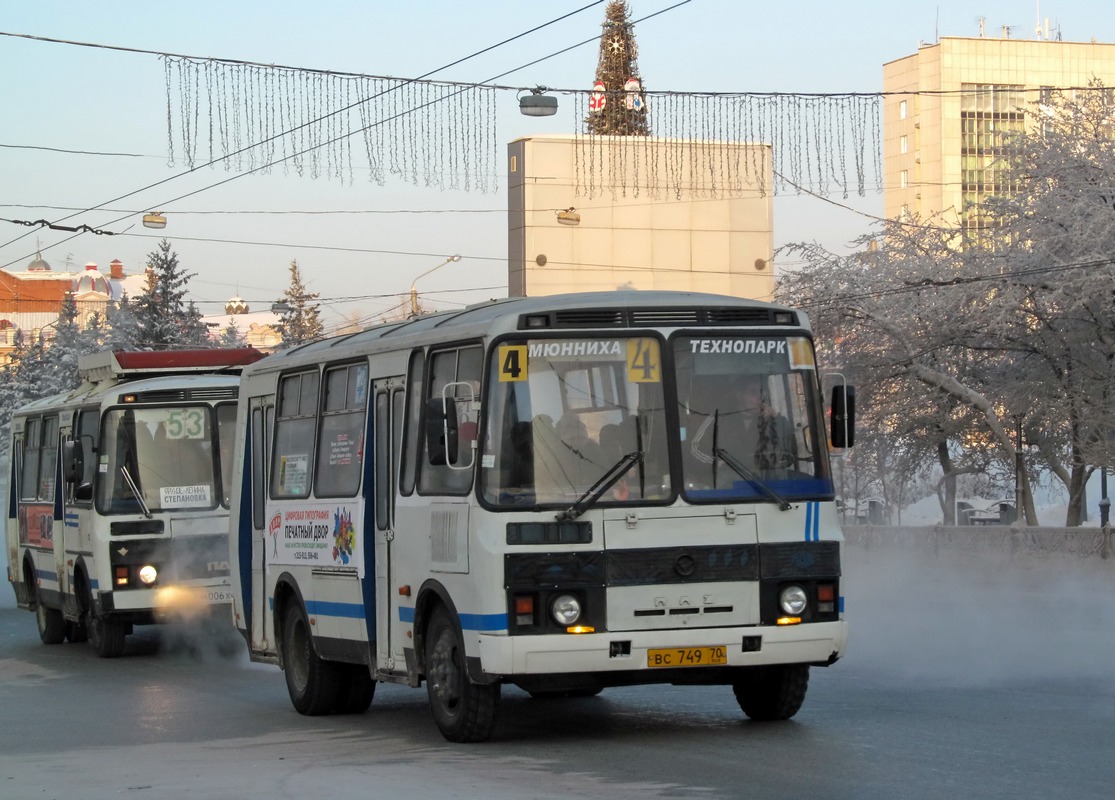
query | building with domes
[257, 327]
[31, 299]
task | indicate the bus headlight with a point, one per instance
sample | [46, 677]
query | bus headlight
[565, 609]
[792, 600]
[148, 574]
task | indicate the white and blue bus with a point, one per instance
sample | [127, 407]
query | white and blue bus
[545, 492]
[118, 495]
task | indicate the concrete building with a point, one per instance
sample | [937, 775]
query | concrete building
[710, 234]
[947, 106]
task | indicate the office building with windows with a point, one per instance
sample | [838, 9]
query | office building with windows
[948, 107]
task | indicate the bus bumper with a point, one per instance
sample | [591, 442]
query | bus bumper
[812, 643]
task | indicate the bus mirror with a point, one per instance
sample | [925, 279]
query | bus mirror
[441, 430]
[843, 419]
[84, 492]
[73, 461]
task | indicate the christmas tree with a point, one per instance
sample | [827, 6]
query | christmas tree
[618, 105]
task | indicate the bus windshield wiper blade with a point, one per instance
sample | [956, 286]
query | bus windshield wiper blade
[135, 491]
[750, 476]
[606, 482]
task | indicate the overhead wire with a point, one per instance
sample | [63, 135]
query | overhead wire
[311, 122]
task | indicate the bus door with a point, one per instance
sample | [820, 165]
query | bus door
[388, 413]
[261, 419]
[79, 520]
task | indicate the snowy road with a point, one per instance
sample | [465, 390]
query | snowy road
[962, 680]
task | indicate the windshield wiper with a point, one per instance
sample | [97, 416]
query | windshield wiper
[606, 482]
[135, 491]
[751, 477]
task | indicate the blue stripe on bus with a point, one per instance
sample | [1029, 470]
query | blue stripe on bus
[469, 622]
[71, 520]
[46, 575]
[324, 608]
[813, 521]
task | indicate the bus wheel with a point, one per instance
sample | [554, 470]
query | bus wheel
[464, 711]
[106, 635]
[52, 628]
[356, 689]
[772, 693]
[311, 681]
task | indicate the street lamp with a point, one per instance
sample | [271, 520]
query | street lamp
[414, 294]
[538, 104]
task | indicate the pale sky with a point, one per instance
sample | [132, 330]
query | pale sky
[63, 97]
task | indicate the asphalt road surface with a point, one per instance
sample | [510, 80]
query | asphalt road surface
[962, 680]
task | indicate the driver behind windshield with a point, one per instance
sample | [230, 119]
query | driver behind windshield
[746, 426]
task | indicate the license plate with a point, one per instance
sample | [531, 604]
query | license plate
[687, 656]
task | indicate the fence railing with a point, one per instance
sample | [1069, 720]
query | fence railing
[1089, 543]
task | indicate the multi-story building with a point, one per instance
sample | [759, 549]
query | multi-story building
[948, 106]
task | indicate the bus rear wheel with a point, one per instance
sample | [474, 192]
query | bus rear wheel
[311, 681]
[773, 692]
[464, 711]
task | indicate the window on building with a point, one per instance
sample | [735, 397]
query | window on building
[904, 145]
[902, 109]
[904, 179]
[990, 115]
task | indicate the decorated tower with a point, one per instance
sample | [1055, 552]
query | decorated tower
[618, 106]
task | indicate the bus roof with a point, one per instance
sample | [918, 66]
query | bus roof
[584, 310]
[122, 364]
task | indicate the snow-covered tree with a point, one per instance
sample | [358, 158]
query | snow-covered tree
[301, 322]
[58, 365]
[965, 345]
[163, 316]
[122, 326]
[231, 337]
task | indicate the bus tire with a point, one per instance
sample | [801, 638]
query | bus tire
[464, 711]
[106, 635]
[311, 681]
[52, 627]
[356, 689]
[773, 692]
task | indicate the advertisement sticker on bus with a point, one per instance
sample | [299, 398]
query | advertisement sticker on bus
[317, 535]
[36, 525]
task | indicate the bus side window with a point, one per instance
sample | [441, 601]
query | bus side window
[87, 432]
[29, 475]
[454, 373]
[382, 434]
[295, 432]
[257, 467]
[341, 445]
[414, 433]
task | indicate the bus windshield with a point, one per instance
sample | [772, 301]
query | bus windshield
[157, 459]
[563, 413]
[748, 416]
